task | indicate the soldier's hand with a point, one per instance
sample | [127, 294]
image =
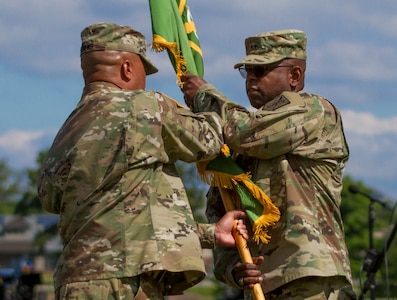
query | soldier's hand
[224, 228]
[191, 83]
[247, 274]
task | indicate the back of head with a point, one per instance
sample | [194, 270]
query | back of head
[113, 37]
[271, 47]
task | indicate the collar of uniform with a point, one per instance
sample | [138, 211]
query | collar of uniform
[98, 84]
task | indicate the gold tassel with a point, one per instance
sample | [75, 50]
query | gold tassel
[160, 44]
[270, 213]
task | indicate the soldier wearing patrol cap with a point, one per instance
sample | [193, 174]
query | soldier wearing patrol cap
[271, 47]
[125, 220]
[294, 147]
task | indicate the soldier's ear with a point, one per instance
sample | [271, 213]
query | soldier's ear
[296, 77]
[126, 70]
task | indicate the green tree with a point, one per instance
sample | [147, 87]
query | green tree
[30, 203]
[10, 188]
[195, 189]
[356, 213]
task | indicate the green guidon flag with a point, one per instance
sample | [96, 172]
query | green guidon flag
[223, 172]
[174, 30]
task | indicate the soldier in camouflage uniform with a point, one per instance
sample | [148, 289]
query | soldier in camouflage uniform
[294, 147]
[125, 220]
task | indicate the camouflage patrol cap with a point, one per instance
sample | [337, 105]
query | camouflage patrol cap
[109, 36]
[270, 47]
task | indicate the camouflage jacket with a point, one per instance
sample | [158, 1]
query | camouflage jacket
[111, 177]
[295, 149]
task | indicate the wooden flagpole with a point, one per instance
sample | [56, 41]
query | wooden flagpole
[241, 243]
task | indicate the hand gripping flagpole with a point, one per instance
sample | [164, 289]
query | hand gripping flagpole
[241, 243]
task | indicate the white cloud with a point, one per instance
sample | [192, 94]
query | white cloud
[367, 124]
[355, 60]
[381, 20]
[52, 28]
[19, 148]
[372, 142]
[16, 140]
[373, 160]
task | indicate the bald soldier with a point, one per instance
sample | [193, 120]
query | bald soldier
[294, 146]
[125, 220]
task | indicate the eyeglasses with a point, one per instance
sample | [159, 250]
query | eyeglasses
[259, 71]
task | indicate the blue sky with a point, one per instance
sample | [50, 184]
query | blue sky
[352, 61]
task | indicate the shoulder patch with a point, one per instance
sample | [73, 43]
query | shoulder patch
[276, 103]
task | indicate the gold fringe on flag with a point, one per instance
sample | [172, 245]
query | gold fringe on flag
[269, 214]
[159, 44]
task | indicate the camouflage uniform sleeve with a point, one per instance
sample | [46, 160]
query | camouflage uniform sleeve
[49, 194]
[191, 137]
[208, 98]
[188, 136]
[277, 128]
[206, 233]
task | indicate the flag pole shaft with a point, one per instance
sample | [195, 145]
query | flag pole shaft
[241, 243]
